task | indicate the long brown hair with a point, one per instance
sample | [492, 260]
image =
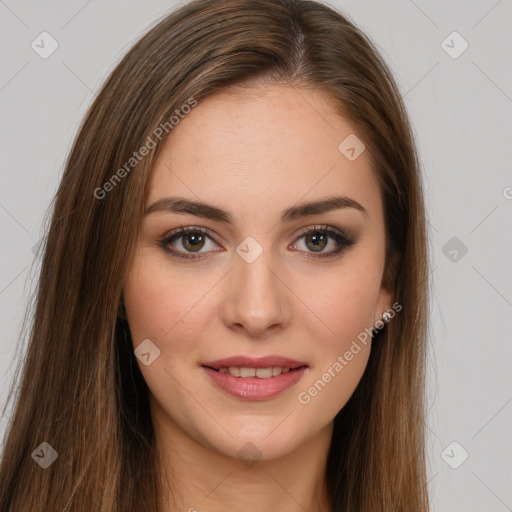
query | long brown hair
[81, 390]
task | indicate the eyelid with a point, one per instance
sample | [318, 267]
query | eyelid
[324, 227]
[177, 233]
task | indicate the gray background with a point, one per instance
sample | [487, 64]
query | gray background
[461, 109]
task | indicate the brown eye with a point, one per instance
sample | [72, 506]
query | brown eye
[316, 241]
[193, 241]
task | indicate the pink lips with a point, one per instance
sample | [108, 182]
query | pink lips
[255, 388]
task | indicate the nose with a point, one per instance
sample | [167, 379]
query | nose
[257, 299]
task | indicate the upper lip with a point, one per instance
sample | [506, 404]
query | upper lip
[255, 362]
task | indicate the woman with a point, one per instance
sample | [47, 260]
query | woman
[232, 305]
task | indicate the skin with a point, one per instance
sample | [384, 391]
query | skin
[255, 152]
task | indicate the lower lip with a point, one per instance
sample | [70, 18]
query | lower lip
[254, 388]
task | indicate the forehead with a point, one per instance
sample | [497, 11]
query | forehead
[262, 148]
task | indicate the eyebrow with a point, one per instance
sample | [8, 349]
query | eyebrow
[199, 209]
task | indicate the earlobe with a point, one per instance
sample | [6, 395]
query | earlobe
[384, 304]
[387, 290]
[384, 312]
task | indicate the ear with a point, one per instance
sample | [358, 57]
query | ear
[386, 296]
[384, 303]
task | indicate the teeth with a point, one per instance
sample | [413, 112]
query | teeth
[246, 372]
[262, 373]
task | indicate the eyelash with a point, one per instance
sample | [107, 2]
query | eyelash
[338, 236]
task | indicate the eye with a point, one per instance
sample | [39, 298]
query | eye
[316, 239]
[194, 239]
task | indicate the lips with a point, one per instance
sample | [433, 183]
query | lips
[251, 362]
[247, 388]
[262, 387]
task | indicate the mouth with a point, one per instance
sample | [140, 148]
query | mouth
[245, 372]
[255, 379]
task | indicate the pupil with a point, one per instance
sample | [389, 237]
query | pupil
[193, 240]
[318, 240]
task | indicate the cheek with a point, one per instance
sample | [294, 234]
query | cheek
[347, 311]
[160, 304]
[342, 360]
[348, 306]
[168, 308]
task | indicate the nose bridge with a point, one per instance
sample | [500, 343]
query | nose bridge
[257, 297]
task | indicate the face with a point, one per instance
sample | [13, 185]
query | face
[245, 279]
